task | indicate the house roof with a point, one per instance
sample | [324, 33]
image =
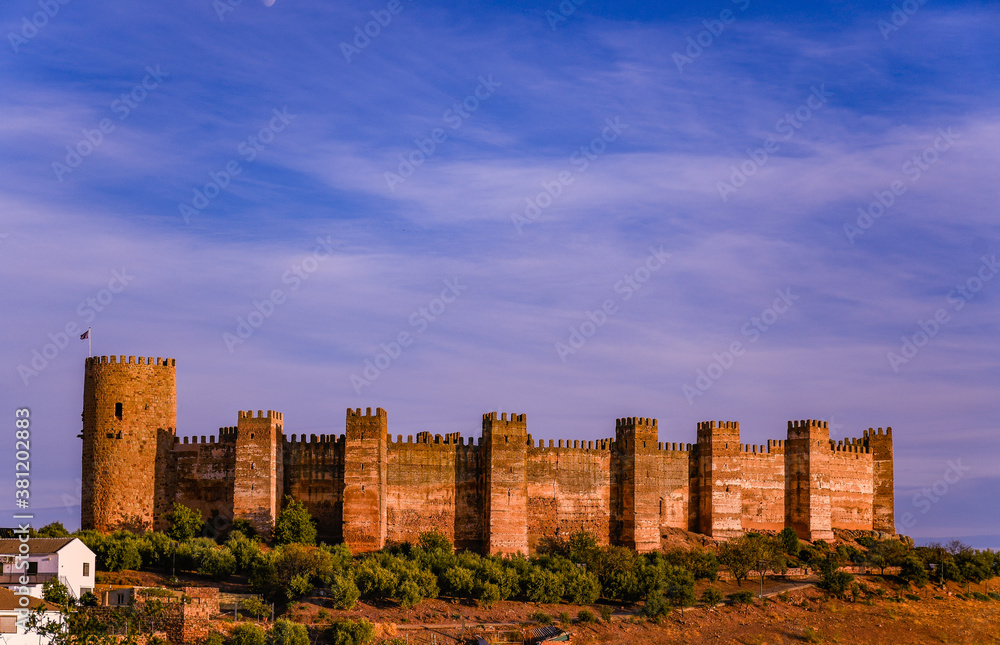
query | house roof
[9, 601]
[37, 546]
[546, 633]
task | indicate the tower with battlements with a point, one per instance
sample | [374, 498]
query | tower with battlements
[129, 420]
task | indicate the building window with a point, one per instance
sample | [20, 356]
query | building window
[86, 569]
[118, 411]
[8, 624]
[32, 569]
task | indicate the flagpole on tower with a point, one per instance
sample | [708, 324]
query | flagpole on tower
[86, 335]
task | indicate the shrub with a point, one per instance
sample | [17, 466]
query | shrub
[247, 634]
[790, 541]
[741, 598]
[606, 612]
[565, 618]
[811, 635]
[285, 632]
[711, 596]
[351, 632]
[185, 523]
[912, 596]
[215, 638]
[459, 581]
[586, 617]
[344, 593]
[994, 595]
[541, 618]
[836, 582]
[978, 595]
[657, 606]
[408, 594]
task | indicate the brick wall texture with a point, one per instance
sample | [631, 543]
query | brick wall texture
[501, 493]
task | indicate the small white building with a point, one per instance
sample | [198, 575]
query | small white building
[12, 616]
[67, 560]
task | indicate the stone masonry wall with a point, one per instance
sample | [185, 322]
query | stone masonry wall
[569, 489]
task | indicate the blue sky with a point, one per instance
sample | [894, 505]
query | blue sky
[574, 219]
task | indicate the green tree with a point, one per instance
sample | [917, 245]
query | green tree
[790, 541]
[56, 592]
[344, 593]
[285, 632]
[185, 523]
[217, 563]
[121, 552]
[247, 634]
[254, 607]
[742, 555]
[294, 525]
[53, 530]
[711, 596]
[913, 570]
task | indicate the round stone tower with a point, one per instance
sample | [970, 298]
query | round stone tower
[129, 422]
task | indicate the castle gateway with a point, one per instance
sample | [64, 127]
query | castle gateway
[502, 493]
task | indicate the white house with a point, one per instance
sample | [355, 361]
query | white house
[12, 615]
[67, 560]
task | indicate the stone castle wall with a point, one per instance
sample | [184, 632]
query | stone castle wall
[500, 493]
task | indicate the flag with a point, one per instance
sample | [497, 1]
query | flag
[85, 335]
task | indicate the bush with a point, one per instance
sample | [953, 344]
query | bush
[741, 598]
[285, 632]
[657, 606]
[541, 618]
[711, 596]
[247, 634]
[344, 593]
[351, 632]
[811, 635]
[244, 527]
[215, 638]
[606, 612]
[586, 617]
[565, 618]
[294, 525]
[790, 541]
[914, 597]
[185, 523]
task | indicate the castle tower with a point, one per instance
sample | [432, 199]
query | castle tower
[636, 440]
[365, 512]
[506, 507]
[719, 479]
[883, 507]
[807, 479]
[257, 488]
[129, 422]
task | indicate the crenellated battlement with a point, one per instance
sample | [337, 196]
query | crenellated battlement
[271, 414]
[870, 433]
[129, 360]
[627, 422]
[807, 423]
[356, 412]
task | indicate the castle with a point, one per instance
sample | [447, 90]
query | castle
[504, 493]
